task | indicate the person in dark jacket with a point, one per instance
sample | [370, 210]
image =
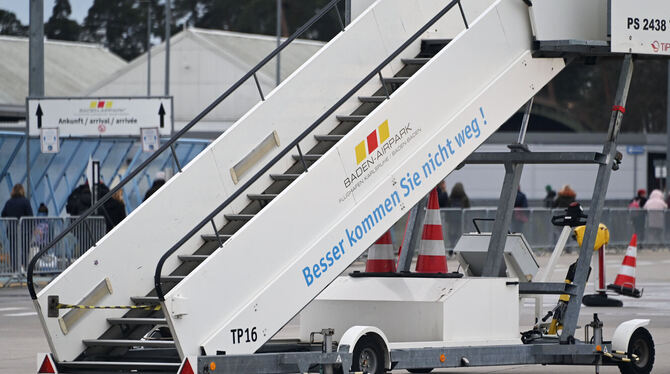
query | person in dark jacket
[17, 206]
[159, 181]
[116, 210]
[458, 197]
[79, 200]
[551, 195]
[520, 216]
[442, 195]
[566, 196]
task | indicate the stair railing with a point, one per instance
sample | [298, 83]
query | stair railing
[295, 143]
[333, 4]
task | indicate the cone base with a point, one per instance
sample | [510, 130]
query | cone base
[625, 291]
[431, 264]
[380, 266]
[601, 299]
[403, 274]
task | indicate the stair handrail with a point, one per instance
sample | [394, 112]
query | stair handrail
[295, 143]
[170, 143]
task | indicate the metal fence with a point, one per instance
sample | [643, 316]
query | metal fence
[21, 239]
[652, 227]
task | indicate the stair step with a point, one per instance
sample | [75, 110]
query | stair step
[128, 343]
[415, 61]
[193, 258]
[284, 177]
[328, 138]
[145, 300]
[172, 278]
[120, 365]
[351, 118]
[307, 157]
[212, 237]
[396, 80]
[441, 42]
[239, 217]
[136, 321]
[371, 99]
[262, 196]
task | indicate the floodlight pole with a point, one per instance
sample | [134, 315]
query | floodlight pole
[36, 72]
[148, 48]
[278, 41]
[168, 23]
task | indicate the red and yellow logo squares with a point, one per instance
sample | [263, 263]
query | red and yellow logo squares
[100, 104]
[377, 137]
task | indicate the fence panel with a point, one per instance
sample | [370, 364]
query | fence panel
[35, 233]
[9, 247]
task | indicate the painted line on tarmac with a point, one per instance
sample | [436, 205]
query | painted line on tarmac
[26, 314]
[11, 309]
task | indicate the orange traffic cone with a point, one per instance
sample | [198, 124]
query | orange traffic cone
[432, 254]
[624, 284]
[380, 256]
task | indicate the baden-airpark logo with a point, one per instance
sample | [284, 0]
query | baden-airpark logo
[100, 104]
[371, 152]
[376, 137]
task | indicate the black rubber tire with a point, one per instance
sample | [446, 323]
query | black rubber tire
[642, 345]
[368, 349]
[419, 371]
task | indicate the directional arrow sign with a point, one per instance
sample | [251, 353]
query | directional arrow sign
[161, 113]
[100, 116]
[39, 114]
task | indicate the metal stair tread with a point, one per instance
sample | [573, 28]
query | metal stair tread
[371, 99]
[415, 61]
[136, 321]
[127, 343]
[258, 196]
[328, 138]
[284, 177]
[396, 80]
[239, 217]
[117, 364]
[307, 157]
[436, 41]
[143, 300]
[193, 258]
[212, 237]
[172, 278]
[351, 118]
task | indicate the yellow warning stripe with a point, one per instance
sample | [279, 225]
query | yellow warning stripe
[143, 307]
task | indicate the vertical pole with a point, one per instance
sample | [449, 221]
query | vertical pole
[667, 131]
[36, 72]
[168, 23]
[597, 202]
[148, 48]
[278, 41]
[347, 12]
[635, 174]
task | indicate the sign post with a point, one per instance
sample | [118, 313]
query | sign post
[100, 116]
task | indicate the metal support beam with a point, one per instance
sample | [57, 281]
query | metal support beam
[597, 202]
[407, 252]
[148, 48]
[481, 158]
[36, 49]
[347, 12]
[494, 256]
[168, 34]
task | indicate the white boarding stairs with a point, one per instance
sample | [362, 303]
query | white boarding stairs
[293, 232]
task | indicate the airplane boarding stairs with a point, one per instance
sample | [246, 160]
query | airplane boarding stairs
[284, 241]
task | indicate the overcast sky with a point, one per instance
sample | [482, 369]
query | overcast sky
[21, 9]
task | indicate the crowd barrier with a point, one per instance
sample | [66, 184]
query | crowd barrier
[652, 227]
[21, 239]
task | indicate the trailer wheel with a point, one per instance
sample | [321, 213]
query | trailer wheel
[419, 371]
[368, 356]
[642, 345]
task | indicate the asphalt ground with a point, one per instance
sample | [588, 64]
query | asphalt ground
[21, 336]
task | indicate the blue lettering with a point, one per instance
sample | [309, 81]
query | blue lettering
[388, 204]
[324, 267]
[336, 253]
[309, 279]
[405, 187]
[460, 139]
[475, 128]
[316, 271]
[352, 241]
[417, 179]
[329, 257]
[358, 231]
[468, 132]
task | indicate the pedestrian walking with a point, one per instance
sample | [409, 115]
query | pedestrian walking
[566, 196]
[17, 206]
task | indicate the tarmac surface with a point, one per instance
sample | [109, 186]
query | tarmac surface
[21, 336]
